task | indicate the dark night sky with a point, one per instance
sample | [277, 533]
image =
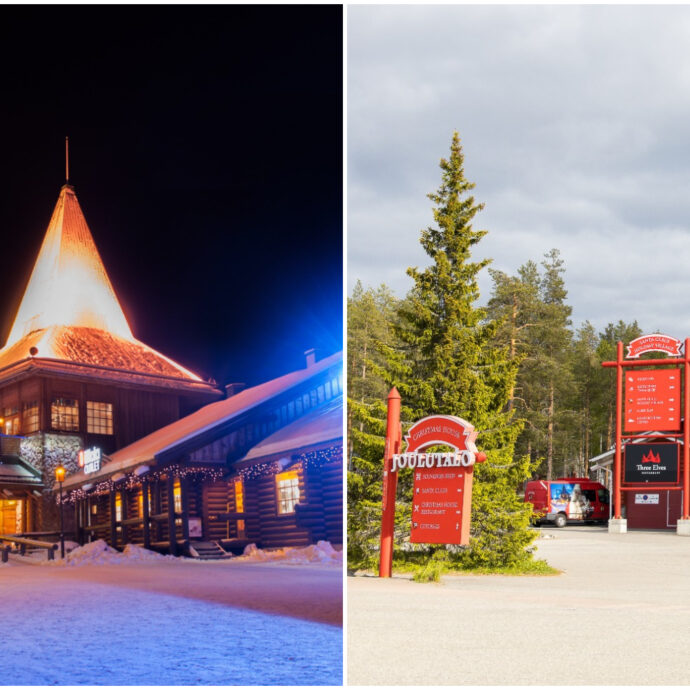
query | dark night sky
[206, 153]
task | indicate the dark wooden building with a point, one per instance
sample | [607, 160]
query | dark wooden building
[73, 376]
[263, 466]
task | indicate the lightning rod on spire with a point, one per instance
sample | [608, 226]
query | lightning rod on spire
[66, 159]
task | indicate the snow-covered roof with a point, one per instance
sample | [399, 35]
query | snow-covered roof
[13, 470]
[320, 425]
[166, 439]
[69, 311]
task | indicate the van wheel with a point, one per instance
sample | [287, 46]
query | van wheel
[560, 520]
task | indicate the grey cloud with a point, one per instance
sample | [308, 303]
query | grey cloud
[575, 122]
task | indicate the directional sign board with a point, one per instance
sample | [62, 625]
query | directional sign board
[441, 505]
[652, 400]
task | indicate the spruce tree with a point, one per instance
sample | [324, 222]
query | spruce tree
[448, 363]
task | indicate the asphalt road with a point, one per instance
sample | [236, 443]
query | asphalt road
[619, 614]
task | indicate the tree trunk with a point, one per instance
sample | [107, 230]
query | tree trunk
[587, 453]
[513, 348]
[549, 437]
[609, 430]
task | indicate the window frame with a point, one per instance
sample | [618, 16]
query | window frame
[285, 504]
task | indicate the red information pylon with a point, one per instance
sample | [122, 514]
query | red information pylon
[686, 432]
[390, 483]
[620, 393]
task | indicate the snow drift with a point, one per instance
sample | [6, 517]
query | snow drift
[99, 553]
[321, 552]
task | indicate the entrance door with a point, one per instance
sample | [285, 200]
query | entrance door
[11, 516]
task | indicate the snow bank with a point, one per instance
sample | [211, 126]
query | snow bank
[134, 552]
[94, 553]
[99, 553]
[321, 552]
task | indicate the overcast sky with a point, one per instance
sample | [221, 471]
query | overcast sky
[575, 123]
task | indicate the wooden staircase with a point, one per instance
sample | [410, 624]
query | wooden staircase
[207, 551]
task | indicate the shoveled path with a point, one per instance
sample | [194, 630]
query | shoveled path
[618, 615]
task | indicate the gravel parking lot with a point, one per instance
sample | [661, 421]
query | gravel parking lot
[618, 615]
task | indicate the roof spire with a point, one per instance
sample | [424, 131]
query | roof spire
[66, 160]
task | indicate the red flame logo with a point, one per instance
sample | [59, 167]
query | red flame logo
[651, 457]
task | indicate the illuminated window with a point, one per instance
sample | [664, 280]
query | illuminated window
[239, 507]
[118, 509]
[239, 496]
[177, 495]
[30, 417]
[64, 414]
[99, 417]
[11, 421]
[287, 487]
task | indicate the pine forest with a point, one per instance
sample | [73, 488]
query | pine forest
[511, 362]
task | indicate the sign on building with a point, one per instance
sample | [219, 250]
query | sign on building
[90, 460]
[647, 499]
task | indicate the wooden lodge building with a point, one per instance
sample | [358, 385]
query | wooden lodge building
[73, 377]
[263, 466]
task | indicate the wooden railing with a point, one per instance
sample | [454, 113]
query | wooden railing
[22, 543]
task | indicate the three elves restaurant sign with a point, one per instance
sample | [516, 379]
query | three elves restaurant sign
[442, 489]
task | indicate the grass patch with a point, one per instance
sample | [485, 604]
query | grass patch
[432, 569]
[431, 572]
[538, 567]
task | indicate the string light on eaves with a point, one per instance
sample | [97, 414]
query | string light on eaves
[313, 459]
[132, 481]
[317, 458]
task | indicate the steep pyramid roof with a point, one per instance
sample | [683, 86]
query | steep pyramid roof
[69, 312]
[69, 285]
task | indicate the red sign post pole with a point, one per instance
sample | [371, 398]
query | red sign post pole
[619, 432]
[390, 483]
[686, 434]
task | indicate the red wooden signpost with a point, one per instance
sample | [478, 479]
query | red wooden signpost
[649, 396]
[442, 493]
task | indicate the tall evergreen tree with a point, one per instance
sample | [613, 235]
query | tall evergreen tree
[447, 363]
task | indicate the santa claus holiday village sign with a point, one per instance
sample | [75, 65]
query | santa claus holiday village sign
[442, 490]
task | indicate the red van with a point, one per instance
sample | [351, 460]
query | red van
[568, 499]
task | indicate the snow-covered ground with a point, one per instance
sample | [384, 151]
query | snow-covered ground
[153, 620]
[99, 553]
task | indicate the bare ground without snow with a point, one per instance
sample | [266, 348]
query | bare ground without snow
[618, 615]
